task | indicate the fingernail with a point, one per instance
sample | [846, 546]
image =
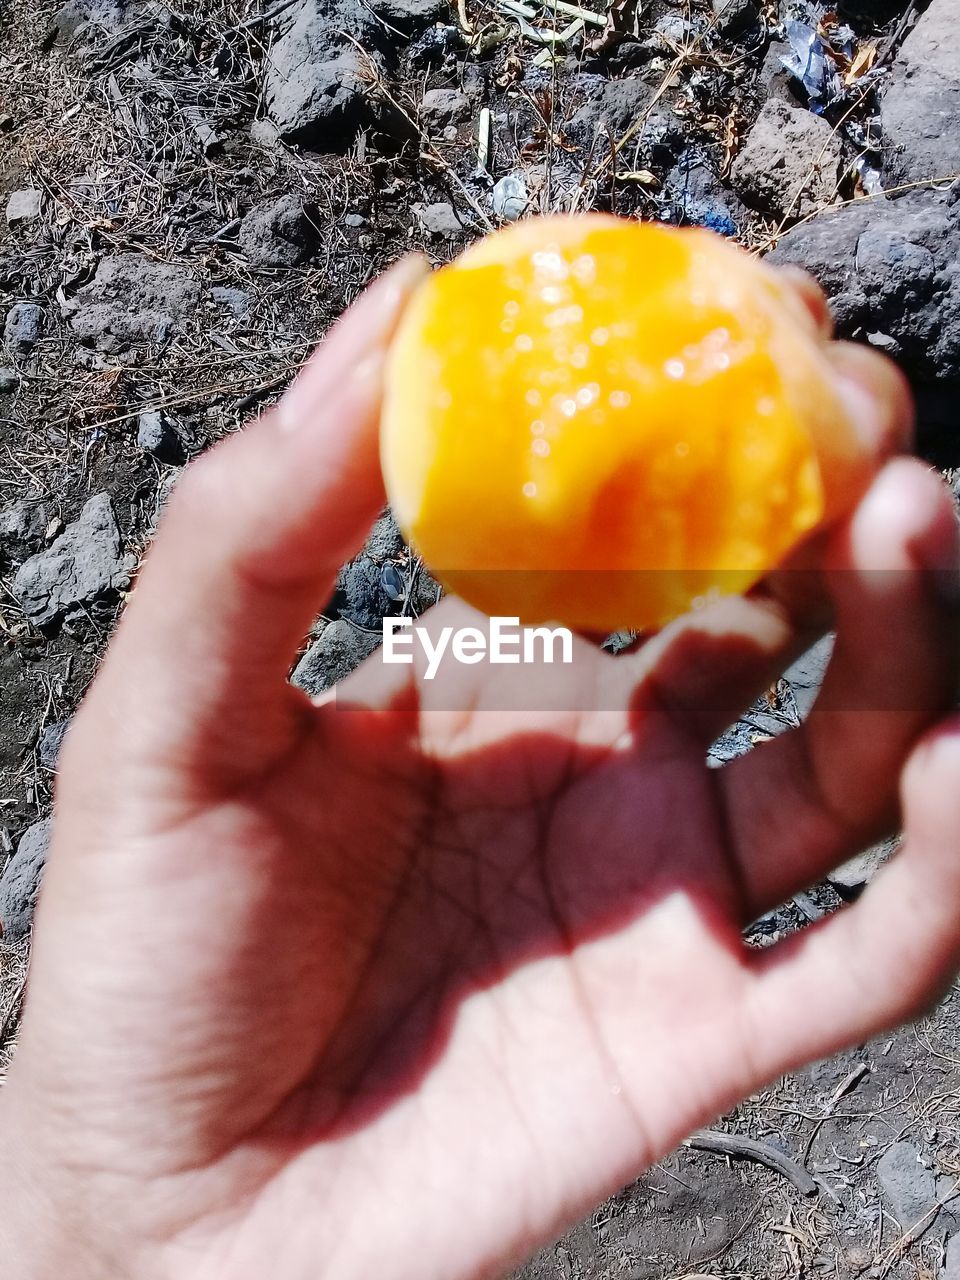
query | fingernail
[356, 345]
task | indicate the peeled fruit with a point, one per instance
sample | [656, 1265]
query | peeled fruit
[603, 423]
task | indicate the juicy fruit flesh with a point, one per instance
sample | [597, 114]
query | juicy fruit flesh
[587, 420]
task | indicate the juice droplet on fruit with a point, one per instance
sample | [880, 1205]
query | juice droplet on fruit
[600, 337]
[529, 489]
[523, 342]
[675, 369]
[619, 399]
[540, 447]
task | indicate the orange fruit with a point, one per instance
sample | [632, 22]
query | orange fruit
[603, 423]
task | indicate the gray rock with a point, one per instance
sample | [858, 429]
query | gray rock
[158, 434]
[385, 541]
[437, 47]
[23, 327]
[280, 233]
[615, 106]
[410, 17]
[735, 18]
[339, 650]
[806, 675]
[439, 220]
[444, 106]
[8, 380]
[51, 740]
[24, 206]
[22, 526]
[20, 882]
[857, 872]
[677, 30]
[132, 300]
[698, 196]
[890, 268]
[790, 162]
[909, 1189]
[920, 112]
[236, 301]
[78, 19]
[317, 81]
[82, 563]
[361, 595]
[951, 1266]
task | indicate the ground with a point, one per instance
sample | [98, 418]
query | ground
[194, 197]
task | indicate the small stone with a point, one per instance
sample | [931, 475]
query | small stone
[735, 18]
[265, 132]
[23, 327]
[83, 563]
[8, 380]
[340, 649]
[676, 29]
[444, 106]
[612, 106]
[360, 596]
[909, 1189]
[951, 1266]
[51, 740]
[280, 233]
[790, 162]
[451, 133]
[439, 220]
[158, 434]
[856, 873]
[22, 527]
[132, 299]
[20, 882]
[859, 1257]
[317, 87]
[355, 220]
[24, 206]
[236, 301]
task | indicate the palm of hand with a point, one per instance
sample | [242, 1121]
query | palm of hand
[477, 965]
[466, 952]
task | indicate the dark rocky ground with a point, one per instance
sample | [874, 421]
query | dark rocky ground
[192, 194]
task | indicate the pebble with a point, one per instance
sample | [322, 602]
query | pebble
[82, 563]
[439, 220]
[909, 1188]
[24, 206]
[340, 648]
[20, 882]
[445, 106]
[23, 327]
[51, 740]
[158, 435]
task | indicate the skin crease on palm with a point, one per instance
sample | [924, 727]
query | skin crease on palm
[399, 983]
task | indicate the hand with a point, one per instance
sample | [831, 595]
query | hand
[397, 984]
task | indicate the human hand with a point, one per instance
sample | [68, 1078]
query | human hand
[399, 983]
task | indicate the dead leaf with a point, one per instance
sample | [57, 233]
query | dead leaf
[863, 61]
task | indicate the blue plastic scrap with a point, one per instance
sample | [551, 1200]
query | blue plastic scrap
[811, 61]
